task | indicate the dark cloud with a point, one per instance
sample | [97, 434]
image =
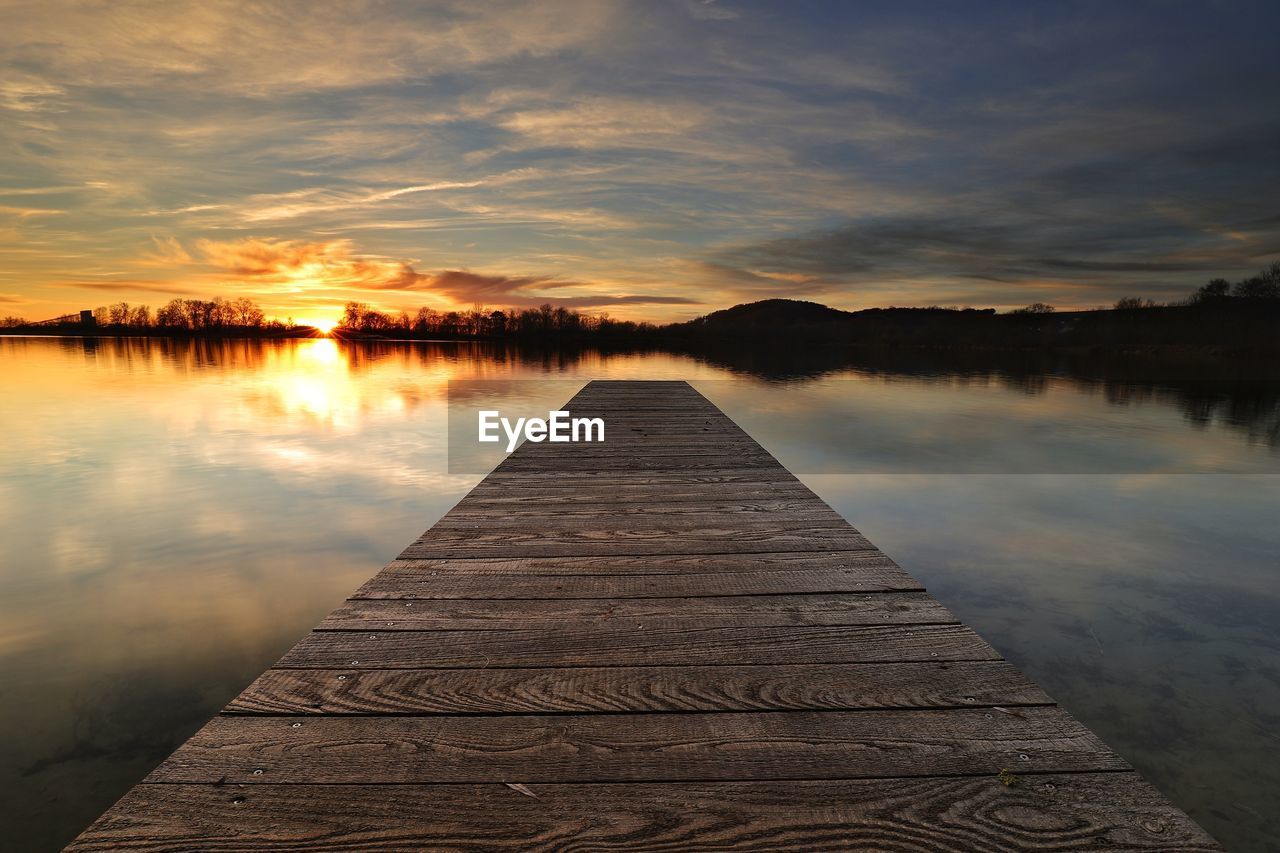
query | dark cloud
[1095, 224]
[516, 291]
[127, 286]
[632, 299]
[519, 291]
[1123, 266]
[464, 286]
[874, 246]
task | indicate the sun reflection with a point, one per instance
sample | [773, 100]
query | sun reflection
[321, 350]
[317, 385]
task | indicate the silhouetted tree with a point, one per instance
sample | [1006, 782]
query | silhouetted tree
[1218, 288]
[203, 315]
[1133, 303]
[244, 312]
[1264, 285]
[171, 315]
[1035, 308]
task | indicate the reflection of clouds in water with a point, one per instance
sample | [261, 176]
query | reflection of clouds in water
[1144, 603]
[75, 550]
[856, 424]
[1241, 395]
[211, 501]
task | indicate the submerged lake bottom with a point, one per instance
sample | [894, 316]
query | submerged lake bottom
[176, 514]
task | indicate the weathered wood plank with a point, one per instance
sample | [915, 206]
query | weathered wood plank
[639, 614]
[550, 495]
[718, 536]
[691, 518]
[728, 481]
[628, 441]
[635, 442]
[863, 561]
[609, 479]
[635, 747]
[416, 585]
[1075, 812]
[636, 689]
[475, 512]
[575, 646]
[610, 463]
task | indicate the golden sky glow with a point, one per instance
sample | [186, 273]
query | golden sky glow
[650, 160]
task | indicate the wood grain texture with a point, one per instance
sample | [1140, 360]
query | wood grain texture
[671, 644]
[689, 519]
[574, 646]
[719, 536]
[638, 614]
[611, 463]
[634, 747]
[549, 496]
[417, 585]
[637, 689]
[596, 479]
[549, 512]
[1076, 812]
[866, 561]
[635, 442]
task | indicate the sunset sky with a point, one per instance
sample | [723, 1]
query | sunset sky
[655, 160]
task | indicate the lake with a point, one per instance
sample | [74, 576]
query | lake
[176, 514]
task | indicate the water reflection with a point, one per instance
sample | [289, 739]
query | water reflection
[177, 513]
[1240, 393]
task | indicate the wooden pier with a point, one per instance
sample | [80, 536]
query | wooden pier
[661, 642]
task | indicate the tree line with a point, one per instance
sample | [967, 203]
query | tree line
[1217, 311]
[478, 322]
[192, 315]
[177, 315]
[1264, 286]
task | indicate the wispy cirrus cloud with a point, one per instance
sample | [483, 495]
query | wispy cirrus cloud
[30, 95]
[167, 252]
[26, 212]
[262, 51]
[672, 156]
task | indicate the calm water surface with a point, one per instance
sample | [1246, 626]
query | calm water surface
[175, 515]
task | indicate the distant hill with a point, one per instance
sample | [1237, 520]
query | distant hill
[1232, 322]
[773, 313]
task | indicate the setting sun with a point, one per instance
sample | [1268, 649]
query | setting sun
[325, 325]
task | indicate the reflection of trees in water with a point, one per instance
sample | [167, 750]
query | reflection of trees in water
[180, 355]
[1243, 394]
[1253, 407]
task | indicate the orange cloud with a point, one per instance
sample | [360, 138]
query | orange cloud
[330, 263]
[276, 266]
[168, 252]
[333, 263]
